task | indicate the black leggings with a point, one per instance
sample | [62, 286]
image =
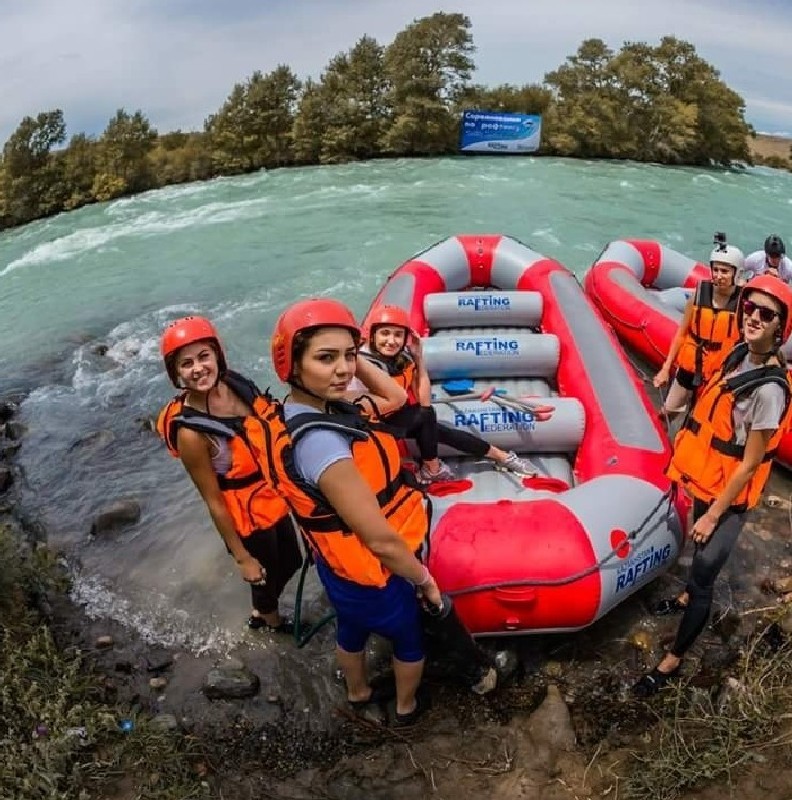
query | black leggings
[420, 423]
[708, 560]
[278, 551]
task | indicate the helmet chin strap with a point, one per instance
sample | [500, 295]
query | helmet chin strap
[295, 385]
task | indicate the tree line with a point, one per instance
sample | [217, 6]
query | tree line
[661, 103]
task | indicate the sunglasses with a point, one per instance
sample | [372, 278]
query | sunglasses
[766, 314]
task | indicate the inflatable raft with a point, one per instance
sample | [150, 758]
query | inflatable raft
[641, 287]
[517, 354]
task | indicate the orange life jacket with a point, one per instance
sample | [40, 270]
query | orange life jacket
[249, 484]
[705, 450]
[712, 334]
[402, 369]
[376, 455]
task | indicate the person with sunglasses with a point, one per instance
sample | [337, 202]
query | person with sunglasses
[772, 260]
[723, 456]
[707, 332]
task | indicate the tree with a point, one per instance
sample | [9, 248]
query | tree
[253, 129]
[123, 150]
[428, 67]
[31, 181]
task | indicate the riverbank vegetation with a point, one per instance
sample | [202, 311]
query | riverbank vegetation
[657, 103]
[60, 737]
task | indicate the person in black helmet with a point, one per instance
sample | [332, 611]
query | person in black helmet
[772, 260]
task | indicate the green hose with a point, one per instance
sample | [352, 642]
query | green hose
[304, 635]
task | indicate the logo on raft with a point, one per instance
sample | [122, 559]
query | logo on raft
[483, 302]
[641, 564]
[489, 347]
[496, 421]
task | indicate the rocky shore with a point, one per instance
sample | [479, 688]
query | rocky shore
[269, 720]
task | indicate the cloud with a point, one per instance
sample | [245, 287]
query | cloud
[178, 60]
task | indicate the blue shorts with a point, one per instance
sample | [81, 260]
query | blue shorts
[391, 612]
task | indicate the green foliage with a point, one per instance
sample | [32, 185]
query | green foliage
[47, 695]
[659, 103]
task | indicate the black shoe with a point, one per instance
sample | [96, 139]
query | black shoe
[651, 683]
[423, 702]
[256, 623]
[670, 605]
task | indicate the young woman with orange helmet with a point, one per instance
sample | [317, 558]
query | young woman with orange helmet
[393, 347]
[218, 426]
[723, 455]
[358, 509]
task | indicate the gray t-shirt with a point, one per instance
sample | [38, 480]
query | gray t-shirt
[318, 449]
[761, 410]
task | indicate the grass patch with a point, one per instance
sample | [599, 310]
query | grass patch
[706, 736]
[58, 739]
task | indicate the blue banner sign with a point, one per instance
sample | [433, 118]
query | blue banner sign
[499, 132]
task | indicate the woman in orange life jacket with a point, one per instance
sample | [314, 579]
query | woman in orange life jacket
[216, 426]
[393, 347]
[723, 455]
[346, 487]
[707, 332]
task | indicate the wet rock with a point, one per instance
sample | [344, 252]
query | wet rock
[15, 430]
[6, 478]
[92, 440]
[230, 681]
[8, 449]
[100, 349]
[157, 661]
[148, 424]
[165, 722]
[103, 642]
[124, 667]
[120, 513]
[7, 410]
[157, 684]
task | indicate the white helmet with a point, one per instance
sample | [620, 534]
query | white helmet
[728, 254]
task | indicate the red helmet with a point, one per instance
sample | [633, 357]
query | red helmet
[389, 315]
[189, 330]
[779, 291]
[316, 312]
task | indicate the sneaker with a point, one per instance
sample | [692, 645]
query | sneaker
[445, 473]
[519, 466]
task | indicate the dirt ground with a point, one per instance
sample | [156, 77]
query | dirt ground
[771, 146]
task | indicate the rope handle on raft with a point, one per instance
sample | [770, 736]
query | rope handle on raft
[669, 494]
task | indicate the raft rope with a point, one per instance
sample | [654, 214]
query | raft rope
[669, 495]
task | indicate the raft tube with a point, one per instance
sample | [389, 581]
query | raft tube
[557, 552]
[640, 287]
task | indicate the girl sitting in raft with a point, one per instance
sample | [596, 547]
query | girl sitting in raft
[707, 332]
[343, 480]
[723, 455]
[387, 346]
[216, 426]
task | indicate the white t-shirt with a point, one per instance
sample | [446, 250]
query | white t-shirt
[756, 264]
[761, 410]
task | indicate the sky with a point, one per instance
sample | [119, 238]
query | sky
[177, 60]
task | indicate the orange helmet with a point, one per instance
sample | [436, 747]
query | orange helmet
[779, 291]
[389, 315]
[189, 330]
[316, 312]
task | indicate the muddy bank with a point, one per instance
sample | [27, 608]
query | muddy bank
[272, 722]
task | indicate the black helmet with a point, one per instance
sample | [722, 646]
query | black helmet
[774, 245]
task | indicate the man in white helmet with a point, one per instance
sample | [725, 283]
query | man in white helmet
[772, 260]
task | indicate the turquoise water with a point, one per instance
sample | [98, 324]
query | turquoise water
[239, 250]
